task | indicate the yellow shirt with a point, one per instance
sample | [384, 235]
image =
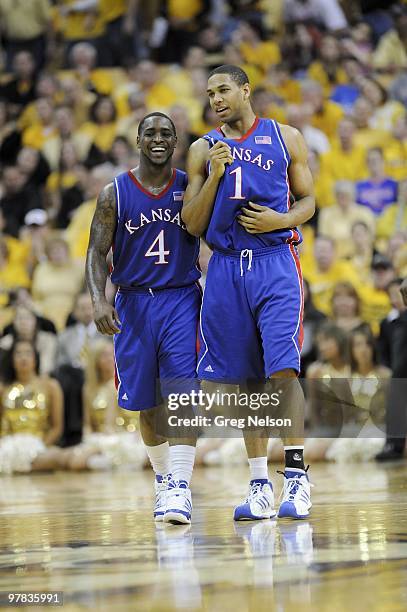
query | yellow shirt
[37, 135]
[370, 137]
[290, 91]
[339, 165]
[101, 135]
[375, 305]
[337, 223]
[60, 180]
[112, 9]
[12, 275]
[77, 232]
[395, 156]
[22, 19]
[327, 120]
[317, 72]
[264, 55]
[324, 195]
[184, 9]
[390, 52]
[78, 25]
[157, 97]
[322, 283]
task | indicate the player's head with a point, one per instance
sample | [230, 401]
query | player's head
[229, 92]
[157, 138]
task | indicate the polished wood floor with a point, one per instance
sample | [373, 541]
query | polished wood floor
[92, 537]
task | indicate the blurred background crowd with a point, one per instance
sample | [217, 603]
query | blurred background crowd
[76, 78]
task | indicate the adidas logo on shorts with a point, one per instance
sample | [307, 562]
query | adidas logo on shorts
[125, 396]
[209, 368]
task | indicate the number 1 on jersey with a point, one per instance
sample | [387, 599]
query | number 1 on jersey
[238, 184]
[161, 253]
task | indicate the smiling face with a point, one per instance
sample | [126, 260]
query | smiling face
[157, 140]
[227, 98]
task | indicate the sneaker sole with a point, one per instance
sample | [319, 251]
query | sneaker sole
[158, 518]
[255, 518]
[176, 518]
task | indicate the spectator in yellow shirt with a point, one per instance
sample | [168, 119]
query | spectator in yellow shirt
[83, 59]
[36, 136]
[77, 232]
[325, 271]
[367, 136]
[144, 77]
[363, 248]
[79, 21]
[255, 51]
[12, 275]
[375, 299]
[345, 160]
[326, 115]
[322, 182]
[338, 220]
[101, 128]
[327, 70]
[395, 153]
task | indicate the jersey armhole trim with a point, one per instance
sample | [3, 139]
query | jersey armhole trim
[116, 185]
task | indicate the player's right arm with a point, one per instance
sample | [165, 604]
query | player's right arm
[201, 192]
[101, 238]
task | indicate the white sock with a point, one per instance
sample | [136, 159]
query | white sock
[160, 458]
[258, 468]
[182, 462]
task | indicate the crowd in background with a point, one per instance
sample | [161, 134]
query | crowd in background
[78, 75]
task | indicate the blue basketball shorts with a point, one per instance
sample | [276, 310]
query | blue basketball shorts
[251, 317]
[156, 350]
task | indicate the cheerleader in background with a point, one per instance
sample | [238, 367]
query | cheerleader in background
[31, 408]
[111, 434]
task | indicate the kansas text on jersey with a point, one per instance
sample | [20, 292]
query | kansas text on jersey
[259, 174]
[152, 247]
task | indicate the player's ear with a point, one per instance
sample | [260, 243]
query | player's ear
[246, 91]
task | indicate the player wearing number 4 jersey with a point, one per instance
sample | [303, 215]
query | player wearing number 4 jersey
[240, 179]
[155, 318]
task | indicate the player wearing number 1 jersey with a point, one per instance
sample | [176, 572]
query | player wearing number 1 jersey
[155, 319]
[240, 179]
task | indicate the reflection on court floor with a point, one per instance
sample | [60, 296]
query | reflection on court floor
[92, 537]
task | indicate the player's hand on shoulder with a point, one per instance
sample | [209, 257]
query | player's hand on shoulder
[259, 219]
[106, 319]
[220, 155]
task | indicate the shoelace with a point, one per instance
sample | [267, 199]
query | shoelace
[293, 484]
[253, 491]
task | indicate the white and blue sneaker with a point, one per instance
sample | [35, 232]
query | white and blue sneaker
[161, 486]
[296, 494]
[179, 503]
[259, 504]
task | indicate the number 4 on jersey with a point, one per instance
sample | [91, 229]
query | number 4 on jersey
[161, 253]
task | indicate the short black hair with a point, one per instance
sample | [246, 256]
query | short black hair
[235, 73]
[155, 114]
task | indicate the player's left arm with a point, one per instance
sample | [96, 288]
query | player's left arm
[258, 219]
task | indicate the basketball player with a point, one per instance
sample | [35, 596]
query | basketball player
[155, 319]
[238, 196]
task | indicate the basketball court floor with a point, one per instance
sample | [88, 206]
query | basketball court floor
[91, 536]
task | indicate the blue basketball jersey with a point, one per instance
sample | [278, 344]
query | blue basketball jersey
[259, 173]
[152, 247]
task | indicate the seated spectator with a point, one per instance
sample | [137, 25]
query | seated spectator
[391, 53]
[299, 116]
[375, 300]
[279, 81]
[128, 126]
[327, 70]
[254, 50]
[12, 274]
[23, 297]
[77, 98]
[56, 282]
[346, 307]
[366, 136]
[363, 249]
[101, 129]
[17, 198]
[75, 342]
[327, 13]
[395, 153]
[347, 93]
[34, 235]
[121, 155]
[325, 271]
[25, 328]
[47, 87]
[66, 131]
[35, 136]
[324, 195]
[10, 138]
[385, 111]
[20, 90]
[79, 23]
[144, 77]
[34, 166]
[345, 160]
[378, 191]
[77, 232]
[83, 58]
[340, 218]
[326, 114]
